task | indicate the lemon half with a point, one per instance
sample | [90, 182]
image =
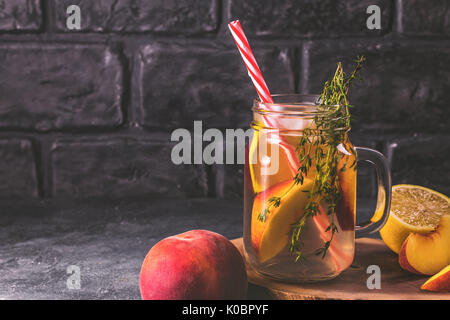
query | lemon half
[413, 209]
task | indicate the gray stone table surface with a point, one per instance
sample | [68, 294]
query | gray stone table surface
[107, 241]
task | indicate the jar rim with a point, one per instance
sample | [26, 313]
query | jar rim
[304, 107]
[290, 104]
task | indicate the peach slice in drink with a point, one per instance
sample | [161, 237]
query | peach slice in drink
[346, 207]
[260, 161]
[271, 236]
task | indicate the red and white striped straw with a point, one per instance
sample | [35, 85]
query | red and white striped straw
[261, 87]
[250, 62]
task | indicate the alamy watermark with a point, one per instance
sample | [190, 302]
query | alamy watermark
[73, 282]
[73, 20]
[374, 280]
[73, 17]
[221, 147]
[374, 20]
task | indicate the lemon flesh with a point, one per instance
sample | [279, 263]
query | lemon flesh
[413, 209]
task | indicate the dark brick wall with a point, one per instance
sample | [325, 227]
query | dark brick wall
[88, 113]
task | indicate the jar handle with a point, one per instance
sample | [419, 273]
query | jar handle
[384, 191]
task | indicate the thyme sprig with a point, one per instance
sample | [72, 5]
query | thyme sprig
[318, 150]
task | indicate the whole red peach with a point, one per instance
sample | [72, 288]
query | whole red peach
[197, 264]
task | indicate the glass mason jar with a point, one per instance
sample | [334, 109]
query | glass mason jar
[293, 230]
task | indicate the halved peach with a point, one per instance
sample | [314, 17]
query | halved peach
[439, 282]
[271, 235]
[427, 253]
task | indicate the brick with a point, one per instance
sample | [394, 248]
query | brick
[181, 84]
[20, 15]
[366, 179]
[122, 167]
[422, 160]
[18, 169]
[425, 18]
[189, 16]
[233, 181]
[405, 89]
[309, 18]
[230, 176]
[46, 87]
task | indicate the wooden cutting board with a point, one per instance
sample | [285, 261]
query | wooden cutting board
[352, 283]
